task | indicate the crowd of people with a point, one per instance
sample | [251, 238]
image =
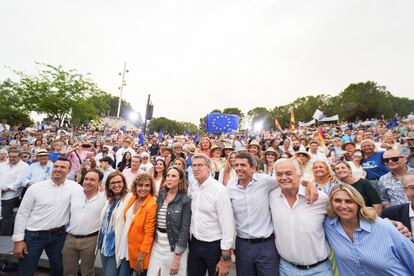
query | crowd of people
[331, 200]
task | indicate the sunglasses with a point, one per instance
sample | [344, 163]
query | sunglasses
[393, 159]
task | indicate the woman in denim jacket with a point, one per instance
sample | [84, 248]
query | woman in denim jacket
[169, 253]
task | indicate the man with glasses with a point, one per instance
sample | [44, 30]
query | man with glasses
[390, 186]
[404, 212]
[11, 177]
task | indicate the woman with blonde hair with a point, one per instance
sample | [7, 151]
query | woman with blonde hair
[205, 146]
[323, 176]
[228, 171]
[362, 242]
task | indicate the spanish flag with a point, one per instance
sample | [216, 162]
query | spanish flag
[292, 121]
[277, 125]
[321, 136]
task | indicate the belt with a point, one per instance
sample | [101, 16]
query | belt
[51, 231]
[258, 240]
[162, 230]
[307, 266]
[85, 236]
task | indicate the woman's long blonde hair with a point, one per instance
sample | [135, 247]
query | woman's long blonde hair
[364, 212]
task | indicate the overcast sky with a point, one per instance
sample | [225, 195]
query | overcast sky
[194, 56]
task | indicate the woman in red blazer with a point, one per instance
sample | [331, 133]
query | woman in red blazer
[138, 234]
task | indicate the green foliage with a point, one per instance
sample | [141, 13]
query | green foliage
[58, 92]
[11, 107]
[171, 126]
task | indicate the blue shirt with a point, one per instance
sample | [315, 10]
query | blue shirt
[378, 249]
[251, 206]
[106, 241]
[345, 138]
[37, 173]
[374, 166]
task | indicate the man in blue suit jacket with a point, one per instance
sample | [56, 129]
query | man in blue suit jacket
[404, 212]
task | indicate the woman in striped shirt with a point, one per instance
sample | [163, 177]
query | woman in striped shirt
[169, 253]
[363, 243]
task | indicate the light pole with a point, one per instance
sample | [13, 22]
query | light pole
[123, 83]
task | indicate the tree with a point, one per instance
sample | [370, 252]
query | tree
[171, 126]
[11, 106]
[54, 91]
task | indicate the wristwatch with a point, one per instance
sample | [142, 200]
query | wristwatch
[226, 258]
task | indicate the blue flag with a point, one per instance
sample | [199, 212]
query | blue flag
[160, 136]
[393, 123]
[141, 139]
[196, 137]
[217, 122]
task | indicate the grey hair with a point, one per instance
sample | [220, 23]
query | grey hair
[405, 178]
[294, 162]
[206, 159]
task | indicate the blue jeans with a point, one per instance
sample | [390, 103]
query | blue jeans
[109, 266]
[257, 259]
[125, 269]
[287, 269]
[36, 242]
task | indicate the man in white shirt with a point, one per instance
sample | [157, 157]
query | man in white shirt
[83, 229]
[212, 225]
[11, 178]
[298, 225]
[41, 219]
[315, 154]
[131, 173]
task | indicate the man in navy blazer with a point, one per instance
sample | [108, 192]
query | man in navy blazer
[404, 212]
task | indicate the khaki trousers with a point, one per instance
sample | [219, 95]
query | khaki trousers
[76, 249]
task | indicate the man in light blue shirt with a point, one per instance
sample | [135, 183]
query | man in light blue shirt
[39, 171]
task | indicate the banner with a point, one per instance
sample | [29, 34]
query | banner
[219, 123]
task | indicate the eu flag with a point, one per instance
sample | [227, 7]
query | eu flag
[393, 123]
[217, 122]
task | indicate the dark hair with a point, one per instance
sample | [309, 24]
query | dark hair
[164, 172]
[246, 155]
[109, 194]
[64, 159]
[98, 172]
[106, 159]
[140, 179]
[182, 185]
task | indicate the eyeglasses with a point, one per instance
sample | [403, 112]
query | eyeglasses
[410, 188]
[271, 154]
[393, 159]
[116, 183]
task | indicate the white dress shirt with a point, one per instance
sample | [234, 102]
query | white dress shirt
[212, 215]
[85, 213]
[300, 236]
[11, 176]
[251, 206]
[44, 206]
